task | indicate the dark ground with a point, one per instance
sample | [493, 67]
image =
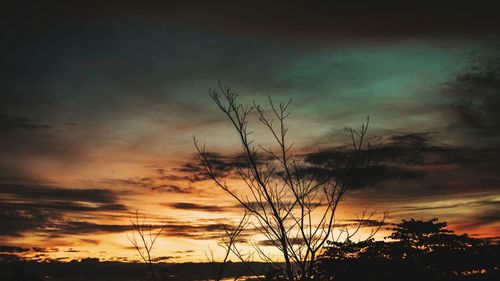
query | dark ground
[111, 271]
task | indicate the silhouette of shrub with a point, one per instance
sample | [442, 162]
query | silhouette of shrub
[418, 250]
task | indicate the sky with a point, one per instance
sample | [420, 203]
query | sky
[99, 104]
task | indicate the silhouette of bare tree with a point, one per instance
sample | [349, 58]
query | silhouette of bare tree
[143, 240]
[292, 203]
[228, 242]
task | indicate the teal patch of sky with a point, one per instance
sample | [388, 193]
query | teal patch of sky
[364, 78]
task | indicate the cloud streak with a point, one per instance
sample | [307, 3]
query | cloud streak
[40, 208]
[9, 123]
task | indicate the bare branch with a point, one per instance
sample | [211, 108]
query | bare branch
[291, 206]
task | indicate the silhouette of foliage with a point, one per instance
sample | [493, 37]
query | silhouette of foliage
[417, 250]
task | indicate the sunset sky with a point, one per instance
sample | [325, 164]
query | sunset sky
[99, 105]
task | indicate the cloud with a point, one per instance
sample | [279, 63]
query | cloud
[416, 167]
[50, 193]
[192, 230]
[151, 183]
[164, 258]
[184, 251]
[41, 208]
[10, 123]
[293, 241]
[486, 202]
[489, 217]
[409, 167]
[196, 229]
[45, 250]
[71, 250]
[407, 157]
[159, 180]
[54, 212]
[222, 165]
[17, 220]
[196, 207]
[82, 228]
[283, 19]
[12, 249]
[388, 161]
[91, 241]
[476, 217]
[366, 222]
[476, 99]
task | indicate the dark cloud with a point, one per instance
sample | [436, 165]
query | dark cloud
[194, 230]
[485, 218]
[319, 19]
[489, 203]
[268, 242]
[164, 258]
[476, 99]
[45, 250]
[317, 163]
[61, 206]
[71, 250]
[91, 241]
[82, 228]
[153, 183]
[42, 208]
[366, 222]
[412, 167]
[375, 174]
[402, 167]
[427, 149]
[16, 219]
[12, 249]
[222, 166]
[49, 193]
[407, 157]
[196, 207]
[184, 251]
[52, 211]
[9, 123]
[160, 180]
[442, 172]
[197, 229]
